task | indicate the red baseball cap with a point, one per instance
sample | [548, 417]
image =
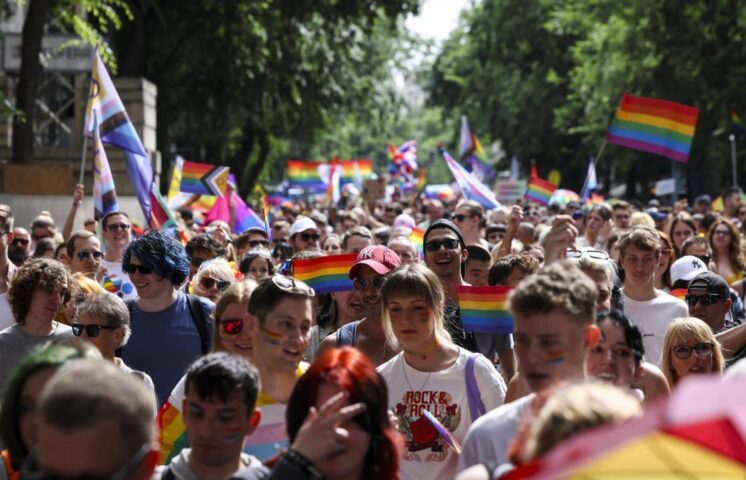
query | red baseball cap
[381, 259]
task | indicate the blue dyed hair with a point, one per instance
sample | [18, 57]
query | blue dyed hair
[161, 253]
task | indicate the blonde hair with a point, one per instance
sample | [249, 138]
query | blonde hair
[239, 292]
[588, 264]
[576, 408]
[641, 219]
[218, 268]
[415, 280]
[689, 329]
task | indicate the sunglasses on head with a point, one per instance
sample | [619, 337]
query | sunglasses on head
[706, 300]
[132, 268]
[87, 255]
[231, 326]
[207, 283]
[449, 243]
[685, 351]
[310, 236]
[91, 331]
[290, 285]
[362, 283]
[116, 227]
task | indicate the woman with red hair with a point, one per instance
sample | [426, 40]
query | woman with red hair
[338, 422]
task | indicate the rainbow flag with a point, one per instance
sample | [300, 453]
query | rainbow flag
[656, 126]
[326, 274]
[539, 191]
[472, 188]
[418, 238]
[204, 179]
[679, 293]
[595, 199]
[485, 309]
[104, 193]
[313, 176]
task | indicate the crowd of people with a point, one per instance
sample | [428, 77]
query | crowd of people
[128, 353]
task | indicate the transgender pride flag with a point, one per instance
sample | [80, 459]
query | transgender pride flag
[472, 188]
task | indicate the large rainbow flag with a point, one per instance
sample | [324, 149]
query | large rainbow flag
[313, 176]
[204, 179]
[655, 126]
[485, 309]
[326, 274]
[540, 191]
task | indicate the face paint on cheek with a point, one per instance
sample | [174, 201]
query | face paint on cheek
[556, 357]
[271, 337]
[231, 435]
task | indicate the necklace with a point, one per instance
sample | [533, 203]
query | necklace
[423, 355]
[406, 377]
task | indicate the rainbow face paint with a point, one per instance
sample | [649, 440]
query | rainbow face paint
[232, 435]
[556, 357]
[271, 337]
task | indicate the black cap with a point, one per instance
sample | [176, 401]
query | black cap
[447, 224]
[710, 282]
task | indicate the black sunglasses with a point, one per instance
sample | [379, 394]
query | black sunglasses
[362, 283]
[115, 227]
[20, 241]
[258, 243]
[87, 255]
[685, 351]
[310, 236]
[706, 300]
[461, 217]
[231, 326]
[705, 258]
[132, 268]
[91, 331]
[207, 283]
[449, 243]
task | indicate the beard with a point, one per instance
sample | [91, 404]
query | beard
[18, 255]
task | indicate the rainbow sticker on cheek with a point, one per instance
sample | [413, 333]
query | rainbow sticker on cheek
[231, 435]
[271, 337]
[556, 357]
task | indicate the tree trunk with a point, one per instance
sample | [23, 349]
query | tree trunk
[23, 128]
[256, 167]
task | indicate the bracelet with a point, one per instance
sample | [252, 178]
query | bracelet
[299, 460]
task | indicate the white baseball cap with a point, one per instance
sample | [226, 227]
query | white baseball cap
[686, 268]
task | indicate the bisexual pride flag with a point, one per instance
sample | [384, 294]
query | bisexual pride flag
[485, 309]
[326, 274]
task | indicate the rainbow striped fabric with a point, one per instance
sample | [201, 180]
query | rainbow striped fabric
[204, 179]
[485, 309]
[655, 126]
[679, 293]
[326, 274]
[313, 176]
[539, 191]
[418, 238]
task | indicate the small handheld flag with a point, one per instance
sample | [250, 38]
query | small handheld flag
[204, 179]
[485, 309]
[539, 191]
[417, 237]
[655, 126]
[472, 188]
[326, 274]
[443, 432]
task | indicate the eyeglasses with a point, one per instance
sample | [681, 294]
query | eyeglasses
[705, 258]
[310, 236]
[362, 283]
[91, 331]
[207, 283]
[685, 351]
[231, 326]
[590, 252]
[20, 241]
[132, 268]
[449, 243]
[721, 232]
[705, 300]
[290, 285]
[87, 255]
[259, 243]
[116, 227]
[461, 217]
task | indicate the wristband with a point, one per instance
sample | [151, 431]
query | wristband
[304, 464]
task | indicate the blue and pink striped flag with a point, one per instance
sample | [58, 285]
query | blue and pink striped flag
[472, 188]
[104, 193]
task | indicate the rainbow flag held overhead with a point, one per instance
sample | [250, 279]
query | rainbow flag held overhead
[539, 191]
[204, 179]
[104, 193]
[313, 177]
[326, 274]
[485, 309]
[656, 126]
[418, 238]
[471, 188]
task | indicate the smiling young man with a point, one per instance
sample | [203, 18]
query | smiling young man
[84, 253]
[281, 314]
[117, 234]
[169, 328]
[649, 308]
[553, 313]
[219, 411]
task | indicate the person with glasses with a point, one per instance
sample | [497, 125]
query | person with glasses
[690, 348]
[304, 234]
[220, 394]
[708, 298]
[116, 232]
[469, 218]
[84, 253]
[201, 248]
[8, 269]
[37, 294]
[93, 421]
[252, 239]
[169, 327]
[20, 246]
[212, 278]
[368, 274]
[104, 321]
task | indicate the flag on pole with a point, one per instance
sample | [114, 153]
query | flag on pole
[104, 194]
[485, 309]
[176, 198]
[737, 127]
[472, 188]
[591, 181]
[204, 179]
[656, 126]
[333, 195]
[473, 154]
[540, 191]
[244, 217]
[515, 168]
[116, 129]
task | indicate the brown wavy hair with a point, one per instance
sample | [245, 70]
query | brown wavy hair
[735, 249]
[43, 273]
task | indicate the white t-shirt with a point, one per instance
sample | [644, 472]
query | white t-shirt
[652, 317]
[117, 282]
[490, 436]
[426, 455]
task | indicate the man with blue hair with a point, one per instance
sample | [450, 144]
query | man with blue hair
[169, 328]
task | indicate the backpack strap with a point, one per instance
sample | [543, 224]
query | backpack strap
[473, 396]
[346, 335]
[198, 317]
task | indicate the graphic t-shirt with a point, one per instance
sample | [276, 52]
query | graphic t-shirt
[117, 282]
[426, 454]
